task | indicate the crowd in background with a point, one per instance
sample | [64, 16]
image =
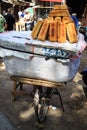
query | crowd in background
[7, 21]
[26, 18]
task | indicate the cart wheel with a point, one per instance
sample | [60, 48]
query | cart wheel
[41, 110]
[41, 106]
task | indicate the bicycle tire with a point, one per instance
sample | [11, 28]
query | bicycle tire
[41, 110]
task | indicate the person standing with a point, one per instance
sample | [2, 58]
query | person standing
[29, 20]
[2, 23]
[75, 19]
[2, 28]
[19, 14]
[10, 20]
[22, 14]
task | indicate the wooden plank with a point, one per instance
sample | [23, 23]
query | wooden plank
[20, 93]
[38, 82]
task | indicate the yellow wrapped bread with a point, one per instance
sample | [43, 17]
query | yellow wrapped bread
[66, 19]
[56, 7]
[63, 6]
[53, 31]
[43, 32]
[61, 32]
[71, 32]
[36, 29]
[58, 19]
[58, 13]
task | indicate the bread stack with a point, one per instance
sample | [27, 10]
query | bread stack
[58, 27]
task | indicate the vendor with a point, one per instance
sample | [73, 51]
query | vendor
[10, 20]
[27, 16]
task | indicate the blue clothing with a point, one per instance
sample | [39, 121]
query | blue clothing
[75, 20]
[22, 15]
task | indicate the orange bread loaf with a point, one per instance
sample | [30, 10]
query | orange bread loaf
[58, 19]
[63, 6]
[66, 19]
[71, 32]
[36, 29]
[43, 32]
[56, 6]
[61, 32]
[53, 31]
[58, 13]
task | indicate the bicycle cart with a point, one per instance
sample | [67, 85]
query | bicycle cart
[41, 98]
[41, 64]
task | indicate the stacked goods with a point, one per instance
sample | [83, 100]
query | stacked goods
[58, 27]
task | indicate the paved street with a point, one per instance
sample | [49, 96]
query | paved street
[20, 114]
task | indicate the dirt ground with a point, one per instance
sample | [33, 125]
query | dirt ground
[20, 114]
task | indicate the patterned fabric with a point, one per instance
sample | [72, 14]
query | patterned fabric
[2, 22]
